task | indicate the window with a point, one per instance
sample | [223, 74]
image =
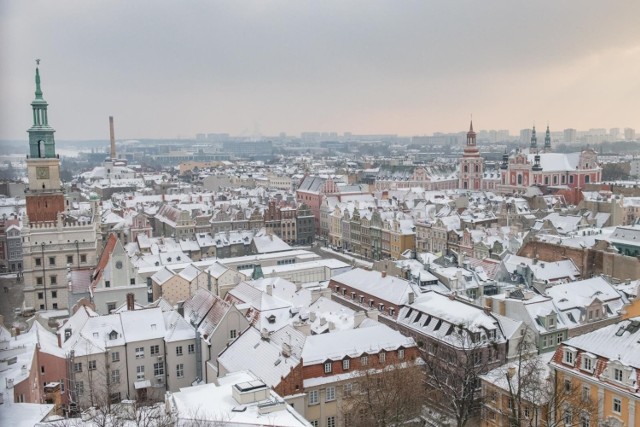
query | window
[77, 367]
[79, 388]
[313, 397]
[69, 259]
[191, 348]
[382, 357]
[139, 352]
[52, 260]
[55, 306]
[477, 358]
[586, 391]
[617, 405]
[585, 420]
[111, 306]
[115, 356]
[179, 350]
[107, 284]
[155, 350]
[331, 394]
[233, 334]
[92, 365]
[345, 364]
[567, 385]
[42, 369]
[53, 280]
[38, 262]
[364, 360]
[617, 374]
[180, 370]
[315, 423]
[401, 353]
[327, 367]
[54, 294]
[331, 421]
[132, 281]
[567, 417]
[568, 357]
[587, 363]
[348, 389]
[40, 295]
[83, 258]
[115, 376]
[38, 280]
[158, 368]
[559, 338]
[140, 372]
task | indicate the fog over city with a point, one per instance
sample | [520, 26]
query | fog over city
[171, 69]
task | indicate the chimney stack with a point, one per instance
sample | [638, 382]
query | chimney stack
[113, 138]
[384, 274]
[130, 301]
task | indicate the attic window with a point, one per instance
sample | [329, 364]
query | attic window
[569, 356]
[113, 335]
[153, 326]
[438, 325]
[271, 319]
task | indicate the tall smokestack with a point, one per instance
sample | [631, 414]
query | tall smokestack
[113, 138]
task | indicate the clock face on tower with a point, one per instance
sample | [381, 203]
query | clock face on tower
[42, 172]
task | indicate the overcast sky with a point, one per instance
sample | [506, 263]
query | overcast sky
[168, 68]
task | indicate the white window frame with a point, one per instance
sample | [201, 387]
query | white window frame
[139, 352]
[180, 370]
[115, 376]
[179, 350]
[615, 374]
[330, 394]
[345, 364]
[616, 401]
[328, 367]
[569, 356]
[140, 372]
[313, 397]
[364, 360]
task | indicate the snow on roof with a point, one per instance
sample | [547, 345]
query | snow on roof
[190, 273]
[162, 276]
[190, 403]
[141, 325]
[263, 356]
[352, 343]
[23, 414]
[177, 328]
[267, 243]
[391, 289]
[620, 341]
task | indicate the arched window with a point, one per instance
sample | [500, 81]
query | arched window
[519, 179]
[466, 168]
[477, 168]
[41, 148]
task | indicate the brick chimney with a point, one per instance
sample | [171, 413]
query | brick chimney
[383, 273]
[130, 301]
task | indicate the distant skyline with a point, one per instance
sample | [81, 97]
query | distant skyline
[167, 69]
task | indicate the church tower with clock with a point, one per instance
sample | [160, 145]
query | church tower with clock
[59, 240]
[45, 196]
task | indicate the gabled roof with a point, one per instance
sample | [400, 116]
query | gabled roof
[353, 343]
[104, 258]
[391, 289]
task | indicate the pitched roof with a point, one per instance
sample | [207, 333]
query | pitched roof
[104, 258]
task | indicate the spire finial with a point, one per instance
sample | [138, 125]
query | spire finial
[471, 122]
[38, 89]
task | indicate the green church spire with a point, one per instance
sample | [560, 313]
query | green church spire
[38, 89]
[41, 140]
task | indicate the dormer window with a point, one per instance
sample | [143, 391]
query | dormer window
[551, 321]
[588, 362]
[569, 356]
[113, 335]
[618, 374]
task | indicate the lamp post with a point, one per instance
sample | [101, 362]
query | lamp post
[44, 275]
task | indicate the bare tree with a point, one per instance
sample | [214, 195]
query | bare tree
[453, 366]
[389, 396]
[536, 397]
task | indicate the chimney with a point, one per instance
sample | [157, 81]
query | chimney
[130, 301]
[383, 273]
[286, 349]
[511, 372]
[452, 296]
[113, 138]
[358, 317]
[412, 297]
[487, 309]
[264, 334]
[269, 289]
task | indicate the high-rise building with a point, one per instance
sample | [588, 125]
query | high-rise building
[629, 134]
[525, 136]
[54, 240]
[570, 135]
